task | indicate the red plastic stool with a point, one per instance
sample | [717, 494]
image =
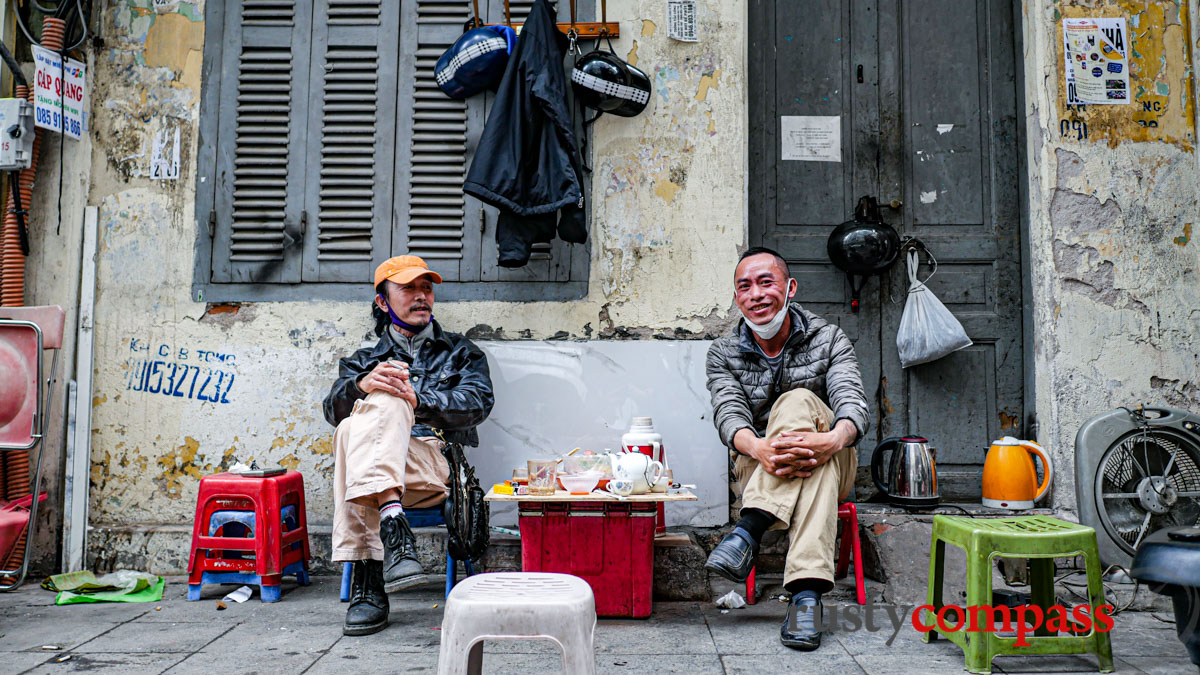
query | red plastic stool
[848, 514]
[274, 553]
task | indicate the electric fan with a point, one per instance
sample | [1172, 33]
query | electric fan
[1137, 472]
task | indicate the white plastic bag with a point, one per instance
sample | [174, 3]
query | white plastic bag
[928, 331]
[731, 600]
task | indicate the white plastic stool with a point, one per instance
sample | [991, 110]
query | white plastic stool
[520, 606]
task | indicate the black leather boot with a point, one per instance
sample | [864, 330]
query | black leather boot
[804, 609]
[368, 612]
[401, 569]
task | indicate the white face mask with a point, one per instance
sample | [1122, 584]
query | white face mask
[771, 328]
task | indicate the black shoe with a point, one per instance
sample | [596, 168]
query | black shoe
[401, 569]
[733, 558]
[368, 612]
[804, 609]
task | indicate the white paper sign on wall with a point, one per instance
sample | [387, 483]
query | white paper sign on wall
[811, 138]
[164, 155]
[59, 94]
[682, 20]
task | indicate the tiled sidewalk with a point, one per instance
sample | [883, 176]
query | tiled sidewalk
[303, 634]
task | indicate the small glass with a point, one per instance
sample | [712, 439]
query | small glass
[543, 476]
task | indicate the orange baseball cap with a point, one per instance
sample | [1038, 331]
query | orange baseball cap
[403, 269]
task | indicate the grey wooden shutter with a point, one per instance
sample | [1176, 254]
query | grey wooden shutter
[435, 219]
[259, 189]
[351, 139]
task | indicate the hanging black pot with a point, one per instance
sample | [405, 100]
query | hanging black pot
[863, 247]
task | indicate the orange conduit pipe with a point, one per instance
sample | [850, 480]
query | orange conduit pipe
[15, 481]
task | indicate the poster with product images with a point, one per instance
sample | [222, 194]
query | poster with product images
[1096, 61]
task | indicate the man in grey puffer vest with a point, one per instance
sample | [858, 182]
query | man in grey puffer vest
[788, 400]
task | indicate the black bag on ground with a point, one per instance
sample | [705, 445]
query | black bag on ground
[465, 511]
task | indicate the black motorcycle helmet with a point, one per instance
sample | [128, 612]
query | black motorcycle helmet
[603, 81]
[864, 246]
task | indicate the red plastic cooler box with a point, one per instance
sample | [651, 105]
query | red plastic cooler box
[610, 545]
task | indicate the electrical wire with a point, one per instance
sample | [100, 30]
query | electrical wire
[1072, 586]
[83, 24]
[14, 180]
[62, 10]
[24, 29]
[927, 510]
[62, 132]
[46, 10]
[14, 68]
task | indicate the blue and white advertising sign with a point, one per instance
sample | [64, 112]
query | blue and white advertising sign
[59, 94]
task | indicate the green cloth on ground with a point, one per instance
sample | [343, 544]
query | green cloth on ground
[119, 586]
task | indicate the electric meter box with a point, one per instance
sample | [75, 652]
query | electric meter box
[16, 134]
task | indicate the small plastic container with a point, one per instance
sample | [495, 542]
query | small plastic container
[579, 484]
[598, 464]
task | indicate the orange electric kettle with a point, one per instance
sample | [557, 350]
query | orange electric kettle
[1009, 477]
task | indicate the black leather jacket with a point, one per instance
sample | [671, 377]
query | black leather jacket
[450, 376]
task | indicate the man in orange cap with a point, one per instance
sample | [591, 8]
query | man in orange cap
[386, 402]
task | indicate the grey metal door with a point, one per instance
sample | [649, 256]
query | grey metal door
[926, 93]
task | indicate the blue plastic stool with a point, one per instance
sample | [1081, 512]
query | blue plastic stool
[241, 524]
[287, 515]
[269, 593]
[430, 517]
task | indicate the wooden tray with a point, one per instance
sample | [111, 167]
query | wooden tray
[564, 496]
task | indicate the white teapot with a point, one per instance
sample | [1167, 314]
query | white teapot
[638, 469]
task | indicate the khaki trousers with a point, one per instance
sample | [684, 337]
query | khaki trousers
[806, 507]
[373, 452]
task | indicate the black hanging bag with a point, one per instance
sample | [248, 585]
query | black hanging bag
[465, 511]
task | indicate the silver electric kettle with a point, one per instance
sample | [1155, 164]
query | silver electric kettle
[911, 474]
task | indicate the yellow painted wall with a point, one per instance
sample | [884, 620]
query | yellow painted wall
[1160, 71]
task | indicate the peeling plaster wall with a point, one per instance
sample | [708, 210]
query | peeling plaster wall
[1115, 287]
[246, 381]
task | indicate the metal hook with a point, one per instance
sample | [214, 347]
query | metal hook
[908, 241]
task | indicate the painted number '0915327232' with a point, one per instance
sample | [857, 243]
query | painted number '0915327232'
[179, 380]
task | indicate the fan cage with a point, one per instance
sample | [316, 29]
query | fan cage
[1121, 470]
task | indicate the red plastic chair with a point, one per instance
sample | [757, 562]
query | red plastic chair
[848, 514]
[26, 391]
[274, 553]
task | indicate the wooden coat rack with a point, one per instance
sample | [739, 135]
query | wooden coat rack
[584, 30]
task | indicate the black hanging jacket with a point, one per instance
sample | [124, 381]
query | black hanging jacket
[527, 163]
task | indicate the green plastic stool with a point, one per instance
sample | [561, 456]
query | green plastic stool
[1039, 538]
